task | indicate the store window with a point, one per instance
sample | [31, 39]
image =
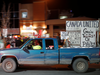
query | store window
[49, 44]
[24, 14]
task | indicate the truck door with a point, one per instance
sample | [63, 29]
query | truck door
[32, 56]
[51, 53]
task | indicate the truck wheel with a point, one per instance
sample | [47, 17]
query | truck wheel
[9, 65]
[80, 65]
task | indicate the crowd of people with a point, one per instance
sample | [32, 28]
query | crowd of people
[14, 42]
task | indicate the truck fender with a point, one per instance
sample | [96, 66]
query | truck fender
[8, 56]
[84, 57]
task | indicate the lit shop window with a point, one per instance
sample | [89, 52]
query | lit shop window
[63, 17]
[24, 14]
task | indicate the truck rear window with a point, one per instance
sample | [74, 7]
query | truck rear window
[49, 44]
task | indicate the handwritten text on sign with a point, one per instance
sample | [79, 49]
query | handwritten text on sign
[74, 37]
[77, 25]
[88, 37]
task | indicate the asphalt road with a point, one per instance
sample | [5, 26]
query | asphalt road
[51, 70]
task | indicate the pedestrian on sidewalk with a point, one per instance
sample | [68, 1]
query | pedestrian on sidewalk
[18, 42]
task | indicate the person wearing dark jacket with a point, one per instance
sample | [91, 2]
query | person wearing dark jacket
[18, 42]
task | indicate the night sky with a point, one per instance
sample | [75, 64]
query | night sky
[88, 8]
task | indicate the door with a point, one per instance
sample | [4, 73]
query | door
[32, 56]
[51, 53]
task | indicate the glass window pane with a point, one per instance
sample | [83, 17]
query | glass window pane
[49, 44]
[24, 14]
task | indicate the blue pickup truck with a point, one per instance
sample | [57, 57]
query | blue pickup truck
[49, 54]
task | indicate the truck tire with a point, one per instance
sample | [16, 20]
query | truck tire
[9, 65]
[80, 65]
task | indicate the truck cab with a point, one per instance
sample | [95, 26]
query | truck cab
[48, 54]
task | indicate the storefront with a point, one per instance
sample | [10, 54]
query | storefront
[6, 32]
[33, 29]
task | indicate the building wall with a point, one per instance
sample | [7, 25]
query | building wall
[36, 17]
[39, 11]
[26, 8]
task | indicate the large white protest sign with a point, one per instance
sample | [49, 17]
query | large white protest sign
[64, 35]
[88, 37]
[83, 32]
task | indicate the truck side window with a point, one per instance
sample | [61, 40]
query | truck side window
[35, 45]
[49, 44]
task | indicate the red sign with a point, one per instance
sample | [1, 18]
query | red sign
[40, 33]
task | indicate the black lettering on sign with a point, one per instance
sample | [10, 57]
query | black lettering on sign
[87, 35]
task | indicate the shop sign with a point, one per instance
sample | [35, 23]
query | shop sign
[88, 37]
[1, 45]
[77, 25]
[5, 32]
[13, 30]
[28, 28]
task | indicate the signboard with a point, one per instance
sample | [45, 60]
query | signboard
[83, 32]
[88, 37]
[75, 37]
[1, 45]
[77, 25]
[5, 32]
[28, 28]
[64, 35]
[13, 30]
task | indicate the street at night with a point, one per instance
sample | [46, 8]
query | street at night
[49, 37]
[94, 69]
